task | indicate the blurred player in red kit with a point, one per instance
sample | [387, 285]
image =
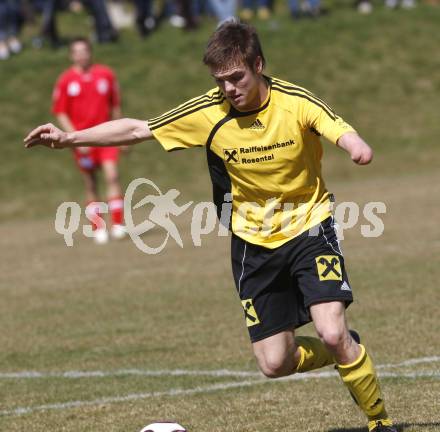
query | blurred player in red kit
[86, 95]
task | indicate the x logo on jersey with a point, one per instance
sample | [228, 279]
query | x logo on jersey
[231, 155]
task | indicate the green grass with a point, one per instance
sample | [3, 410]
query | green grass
[379, 72]
[106, 309]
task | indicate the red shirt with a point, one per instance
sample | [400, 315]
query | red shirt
[87, 98]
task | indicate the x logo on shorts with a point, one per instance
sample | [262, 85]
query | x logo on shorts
[250, 313]
[329, 267]
[231, 155]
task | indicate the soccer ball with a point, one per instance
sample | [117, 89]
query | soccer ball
[164, 426]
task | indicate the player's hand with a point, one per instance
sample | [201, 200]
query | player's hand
[47, 135]
[360, 152]
[362, 157]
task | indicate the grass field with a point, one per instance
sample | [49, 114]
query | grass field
[108, 338]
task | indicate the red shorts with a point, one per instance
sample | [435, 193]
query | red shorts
[95, 156]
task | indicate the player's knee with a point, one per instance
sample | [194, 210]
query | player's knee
[332, 338]
[275, 366]
[112, 179]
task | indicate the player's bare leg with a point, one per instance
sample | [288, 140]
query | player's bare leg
[111, 177]
[92, 209]
[354, 364]
[115, 199]
[91, 185]
[277, 355]
[284, 354]
[331, 326]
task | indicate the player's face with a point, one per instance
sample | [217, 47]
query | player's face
[81, 55]
[241, 85]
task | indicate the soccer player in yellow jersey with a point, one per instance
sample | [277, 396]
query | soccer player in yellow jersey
[261, 136]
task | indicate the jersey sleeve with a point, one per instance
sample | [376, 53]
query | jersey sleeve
[188, 125]
[319, 117]
[59, 97]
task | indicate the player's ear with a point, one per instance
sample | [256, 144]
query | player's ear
[258, 65]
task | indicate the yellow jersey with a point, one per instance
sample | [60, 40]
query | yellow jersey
[266, 162]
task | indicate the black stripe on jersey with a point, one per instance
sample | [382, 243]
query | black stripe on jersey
[181, 148]
[314, 101]
[313, 130]
[289, 86]
[294, 88]
[221, 182]
[190, 104]
[177, 117]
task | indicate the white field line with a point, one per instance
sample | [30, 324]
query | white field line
[125, 372]
[176, 372]
[410, 362]
[197, 390]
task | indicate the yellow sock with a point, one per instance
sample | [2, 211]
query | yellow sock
[361, 380]
[373, 423]
[314, 354]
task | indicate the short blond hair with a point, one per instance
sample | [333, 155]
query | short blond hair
[232, 42]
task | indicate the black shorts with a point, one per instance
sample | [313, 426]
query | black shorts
[277, 286]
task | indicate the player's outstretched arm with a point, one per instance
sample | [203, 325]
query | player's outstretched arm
[113, 133]
[360, 152]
